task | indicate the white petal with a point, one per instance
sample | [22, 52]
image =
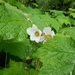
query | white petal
[52, 33]
[47, 30]
[30, 30]
[40, 32]
[34, 38]
[37, 40]
[34, 27]
[42, 38]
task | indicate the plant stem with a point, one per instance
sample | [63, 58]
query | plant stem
[37, 64]
[6, 60]
[70, 73]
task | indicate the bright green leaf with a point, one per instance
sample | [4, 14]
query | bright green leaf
[63, 20]
[72, 14]
[57, 56]
[69, 31]
[71, 9]
[30, 10]
[51, 21]
[13, 23]
[56, 12]
[72, 21]
[38, 21]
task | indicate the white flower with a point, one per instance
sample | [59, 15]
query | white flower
[42, 38]
[35, 33]
[48, 33]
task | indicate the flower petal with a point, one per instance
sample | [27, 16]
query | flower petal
[47, 30]
[52, 33]
[38, 40]
[35, 33]
[42, 38]
[32, 29]
[34, 38]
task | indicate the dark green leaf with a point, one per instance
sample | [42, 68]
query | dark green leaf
[20, 49]
[14, 69]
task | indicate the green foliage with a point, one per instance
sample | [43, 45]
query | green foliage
[30, 10]
[14, 69]
[38, 21]
[73, 15]
[69, 31]
[20, 49]
[59, 16]
[73, 73]
[12, 23]
[57, 56]
[63, 20]
[51, 21]
[55, 4]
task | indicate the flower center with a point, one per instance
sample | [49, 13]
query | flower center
[48, 36]
[36, 33]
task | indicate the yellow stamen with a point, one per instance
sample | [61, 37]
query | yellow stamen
[48, 36]
[37, 34]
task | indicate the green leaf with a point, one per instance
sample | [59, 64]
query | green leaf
[72, 21]
[67, 1]
[20, 49]
[13, 23]
[56, 12]
[14, 69]
[69, 31]
[32, 72]
[72, 14]
[51, 21]
[73, 72]
[57, 56]
[71, 10]
[38, 21]
[30, 10]
[1, 72]
[63, 20]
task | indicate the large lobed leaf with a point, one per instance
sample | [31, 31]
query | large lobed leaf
[69, 31]
[38, 21]
[19, 49]
[72, 14]
[63, 20]
[57, 56]
[13, 23]
[51, 21]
